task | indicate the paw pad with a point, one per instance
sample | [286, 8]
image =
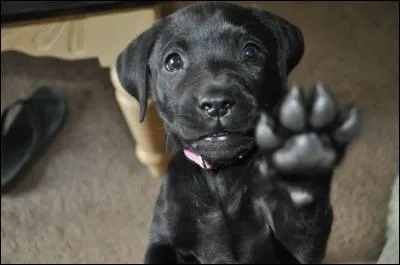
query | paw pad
[310, 124]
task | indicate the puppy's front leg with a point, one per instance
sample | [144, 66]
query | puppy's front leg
[160, 249]
[181, 232]
[158, 253]
[303, 144]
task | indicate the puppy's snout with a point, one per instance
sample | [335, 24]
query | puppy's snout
[216, 103]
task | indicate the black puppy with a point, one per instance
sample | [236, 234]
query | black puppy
[250, 181]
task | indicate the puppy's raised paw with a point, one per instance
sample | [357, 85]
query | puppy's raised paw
[307, 136]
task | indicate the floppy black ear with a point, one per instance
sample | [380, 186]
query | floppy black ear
[132, 66]
[290, 38]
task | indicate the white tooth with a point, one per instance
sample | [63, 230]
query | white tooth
[300, 197]
[221, 138]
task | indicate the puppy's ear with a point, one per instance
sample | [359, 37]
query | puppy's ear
[290, 38]
[132, 66]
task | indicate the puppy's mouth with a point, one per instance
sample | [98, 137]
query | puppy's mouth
[222, 137]
[221, 146]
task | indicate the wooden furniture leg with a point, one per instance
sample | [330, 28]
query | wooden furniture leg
[149, 135]
[101, 35]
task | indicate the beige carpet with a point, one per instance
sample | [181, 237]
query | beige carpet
[88, 199]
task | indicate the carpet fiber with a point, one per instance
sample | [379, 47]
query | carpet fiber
[89, 200]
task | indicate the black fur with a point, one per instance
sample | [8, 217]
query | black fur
[273, 153]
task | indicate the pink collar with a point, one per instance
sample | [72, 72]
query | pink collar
[197, 159]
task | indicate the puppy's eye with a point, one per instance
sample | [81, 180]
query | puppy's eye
[173, 62]
[250, 51]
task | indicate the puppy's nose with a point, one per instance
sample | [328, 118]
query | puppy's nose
[216, 104]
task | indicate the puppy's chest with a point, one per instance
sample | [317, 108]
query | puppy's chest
[230, 209]
[227, 219]
[226, 197]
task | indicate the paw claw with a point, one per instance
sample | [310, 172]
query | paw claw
[349, 127]
[324, 107]
[265, 137]
[292, 113]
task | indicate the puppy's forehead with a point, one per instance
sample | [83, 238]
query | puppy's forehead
[212, 20]
[213, 12]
